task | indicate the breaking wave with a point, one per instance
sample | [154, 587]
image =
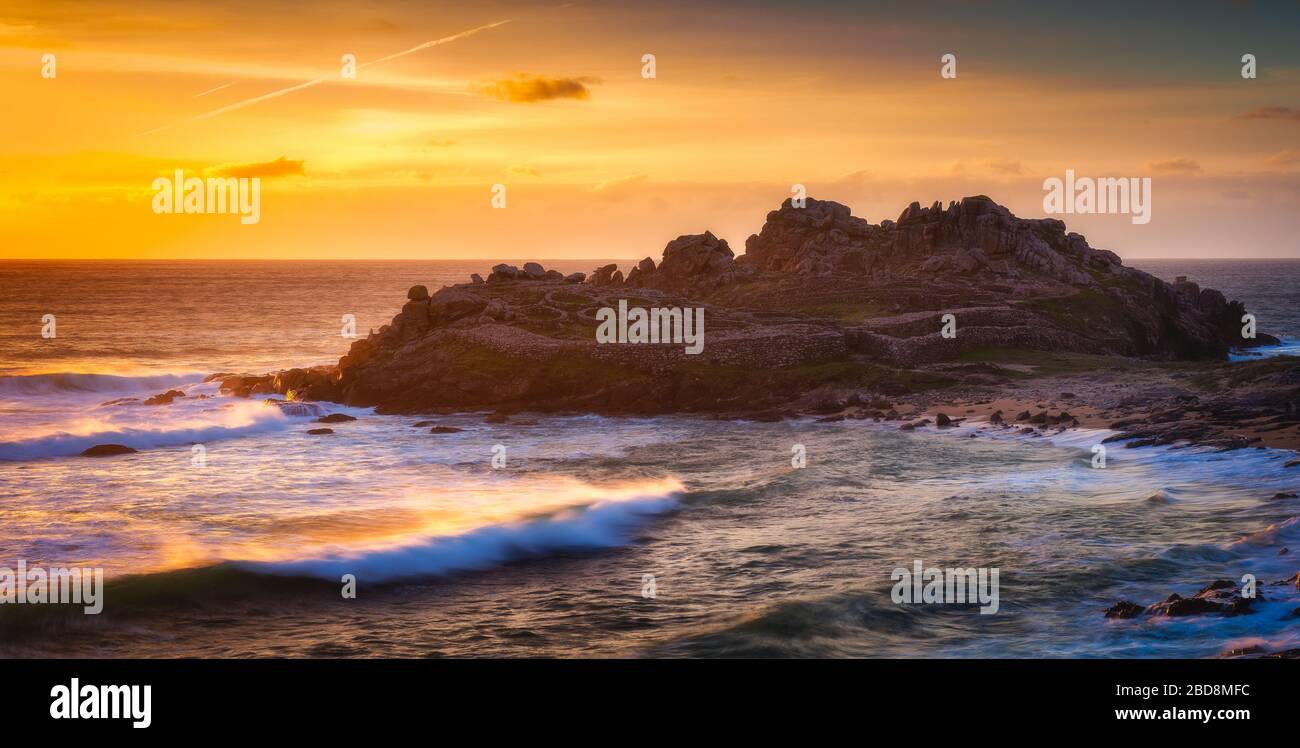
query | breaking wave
[149, 431]
[27, 385]
[601, 525]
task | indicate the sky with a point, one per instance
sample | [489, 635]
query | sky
[598, 161]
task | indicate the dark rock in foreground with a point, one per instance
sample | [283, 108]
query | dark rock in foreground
[1124, 609]
[1222, 596]
[108, 450]
[164, 398]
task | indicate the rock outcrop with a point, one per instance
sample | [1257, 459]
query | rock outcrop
[1222, 596]
[694, 265]
[819, 297]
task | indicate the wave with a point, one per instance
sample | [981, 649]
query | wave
[234, 585]
[1285, 347]
[27, 385]
[599, 526]
[244, 418]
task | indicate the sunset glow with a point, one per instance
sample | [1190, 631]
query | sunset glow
[602, 162]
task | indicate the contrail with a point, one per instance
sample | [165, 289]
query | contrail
[213, 90]
[307, 84]
[436, 42]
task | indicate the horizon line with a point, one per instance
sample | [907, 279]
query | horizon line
[495, 259]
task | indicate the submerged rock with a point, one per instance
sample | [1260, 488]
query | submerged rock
[108, 450]
[164, 398]
[294, 408]
[1221, 596]
[1124, 609]
[336, 418]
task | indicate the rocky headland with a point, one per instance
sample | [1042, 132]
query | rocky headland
[827, 313]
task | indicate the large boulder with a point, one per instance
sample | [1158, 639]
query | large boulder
[820, 237]
[693, 265]
[450, 304]
[607, 275]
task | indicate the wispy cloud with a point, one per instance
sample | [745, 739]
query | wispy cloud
[1286, 157]
[317, 81]
[991, 165]
[1175, 166]
[618, 184]
[528, 89]
[1273, 112]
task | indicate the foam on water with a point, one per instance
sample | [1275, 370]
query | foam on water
[607, 523]
[1287, 347]
[61, 415]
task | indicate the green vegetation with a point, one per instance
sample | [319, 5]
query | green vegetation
[1051, 363]
[848, 312]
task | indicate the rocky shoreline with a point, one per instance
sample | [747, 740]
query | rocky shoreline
[826, 314]
[830, 318]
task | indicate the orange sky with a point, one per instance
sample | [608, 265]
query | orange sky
[599, 162]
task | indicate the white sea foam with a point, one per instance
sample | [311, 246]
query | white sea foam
[145, 427]
[600, 525]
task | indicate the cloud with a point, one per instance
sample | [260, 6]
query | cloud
[522, 170]
[993, 165]
[1175, 166]
[529, 89]
[281, 167]
[615, 185]
[853, 178]
[1287, 157]
[1273, 112]
[1003, 166]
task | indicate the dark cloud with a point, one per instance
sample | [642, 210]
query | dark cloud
[281, 167]
[528, 89]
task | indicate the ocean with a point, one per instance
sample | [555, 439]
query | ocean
[230, 532]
